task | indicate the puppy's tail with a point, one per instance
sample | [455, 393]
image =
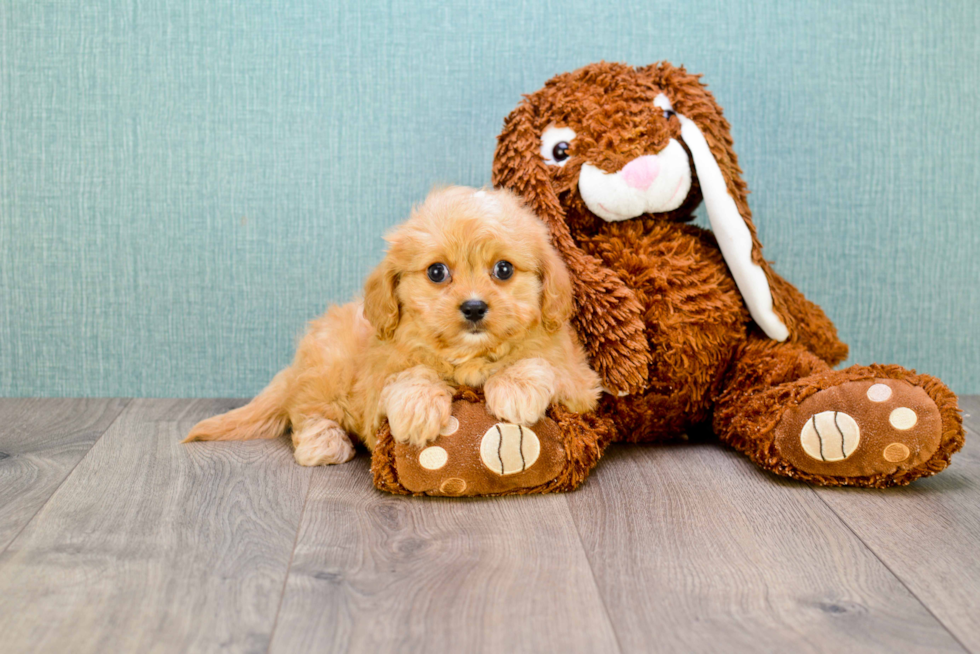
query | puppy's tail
[263, 417]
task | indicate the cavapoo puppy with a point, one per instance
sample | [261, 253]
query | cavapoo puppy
[470, 292]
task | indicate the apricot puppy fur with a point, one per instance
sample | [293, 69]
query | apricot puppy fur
[470, 292]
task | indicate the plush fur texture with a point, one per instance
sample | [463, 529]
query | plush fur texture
[400, 354]
[656, 306]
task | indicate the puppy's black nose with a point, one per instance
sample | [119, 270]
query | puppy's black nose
[474, 310]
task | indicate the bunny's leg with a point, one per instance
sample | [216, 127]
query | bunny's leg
[875, 425]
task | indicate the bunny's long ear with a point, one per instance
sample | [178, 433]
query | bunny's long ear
[707, 135]
[607, 314]
[516, 168]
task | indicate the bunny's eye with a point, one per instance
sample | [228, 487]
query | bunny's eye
[560, 152]
[663, 102]
[555, 143]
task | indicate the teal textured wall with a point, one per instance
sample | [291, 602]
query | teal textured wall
[183, 185]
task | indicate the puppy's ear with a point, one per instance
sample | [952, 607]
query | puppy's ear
[380, 302]
[557, 302]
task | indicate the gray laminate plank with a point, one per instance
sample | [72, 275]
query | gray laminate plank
[41, 441]
[928, 533]
[695, 549]
[970, 405]
[153, 546]
[381, 573]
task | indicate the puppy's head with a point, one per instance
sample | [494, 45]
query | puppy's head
[469, 270]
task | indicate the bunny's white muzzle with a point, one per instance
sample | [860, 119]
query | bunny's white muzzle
[653, 183]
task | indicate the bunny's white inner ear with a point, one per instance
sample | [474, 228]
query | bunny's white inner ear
[731, 232]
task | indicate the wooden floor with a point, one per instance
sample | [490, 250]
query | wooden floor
[114, 538]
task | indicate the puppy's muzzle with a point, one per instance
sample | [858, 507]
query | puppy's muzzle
[474, 310]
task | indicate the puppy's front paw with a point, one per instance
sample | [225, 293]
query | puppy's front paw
[522, 392]
[417, 419]
[418, 405]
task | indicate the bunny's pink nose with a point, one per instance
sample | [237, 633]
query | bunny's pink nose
[641, 172]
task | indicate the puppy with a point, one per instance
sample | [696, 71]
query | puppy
[471, 292]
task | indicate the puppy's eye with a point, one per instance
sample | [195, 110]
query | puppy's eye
[669, 113]
[555, 142]
[503, 270]
[438, 273]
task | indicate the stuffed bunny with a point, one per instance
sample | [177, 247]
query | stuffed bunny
[690, 328]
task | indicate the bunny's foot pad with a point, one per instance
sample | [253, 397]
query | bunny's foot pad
[881, 429]
[476, 454]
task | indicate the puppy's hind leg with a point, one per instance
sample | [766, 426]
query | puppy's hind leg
[320, 441]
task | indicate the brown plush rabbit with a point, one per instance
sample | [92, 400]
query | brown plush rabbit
[690, 328]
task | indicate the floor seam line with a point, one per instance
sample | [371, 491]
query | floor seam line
[887, 567]
[6, 547]
[289, 566]
[595, 582]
